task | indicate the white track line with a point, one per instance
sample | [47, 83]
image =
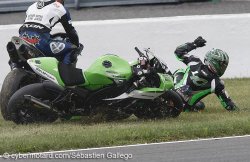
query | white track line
[139, 145]
[144, 20]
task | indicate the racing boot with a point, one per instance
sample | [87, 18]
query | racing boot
[199, 106]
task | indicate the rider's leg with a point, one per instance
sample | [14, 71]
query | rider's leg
[63, 51]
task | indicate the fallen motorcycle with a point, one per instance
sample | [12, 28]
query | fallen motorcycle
[110, 85]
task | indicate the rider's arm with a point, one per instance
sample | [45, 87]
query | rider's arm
[223, 96]
[182, 52]
[70, 30]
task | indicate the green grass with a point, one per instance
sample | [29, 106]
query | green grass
[214, 121]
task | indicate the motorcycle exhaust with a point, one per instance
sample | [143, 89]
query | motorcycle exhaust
[38, 102]
[11, 48]
[22, 50]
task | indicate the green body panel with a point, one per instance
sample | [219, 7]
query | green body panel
[48, 65]
[167, 81]
[98, 76]
[178, 85]
[166, 84]
[132, 63]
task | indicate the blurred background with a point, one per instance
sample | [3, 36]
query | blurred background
[13, 11]
[21, 5]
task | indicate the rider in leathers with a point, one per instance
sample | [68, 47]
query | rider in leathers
[200, 79]
[41, 17]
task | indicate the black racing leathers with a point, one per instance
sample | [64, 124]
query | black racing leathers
[197, 81]
[70, 30]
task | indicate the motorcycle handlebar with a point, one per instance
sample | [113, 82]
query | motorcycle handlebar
[139, 52]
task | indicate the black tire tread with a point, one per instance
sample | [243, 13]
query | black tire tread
[10, 85]
[149, 112]
[36, 90]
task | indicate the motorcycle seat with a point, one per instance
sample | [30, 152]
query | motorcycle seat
[70, 75]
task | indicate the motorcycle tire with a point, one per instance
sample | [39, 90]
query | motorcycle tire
[15, 80]
[169, 105]
[22, 111]
[174, 104]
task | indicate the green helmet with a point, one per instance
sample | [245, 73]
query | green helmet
[217, 61]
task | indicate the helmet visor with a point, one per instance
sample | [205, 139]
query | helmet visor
[223, 67]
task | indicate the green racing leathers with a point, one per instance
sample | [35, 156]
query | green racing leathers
[197, 80]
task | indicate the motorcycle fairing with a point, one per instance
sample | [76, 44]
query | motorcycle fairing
[166, 82]
[47, 67]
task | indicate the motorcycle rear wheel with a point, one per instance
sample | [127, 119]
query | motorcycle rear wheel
[22, 111]
[15, 80]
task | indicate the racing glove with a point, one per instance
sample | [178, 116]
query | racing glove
[199, 42]
[79, 49]
[76, 53]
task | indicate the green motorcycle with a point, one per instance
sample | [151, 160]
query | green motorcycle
[110, 86]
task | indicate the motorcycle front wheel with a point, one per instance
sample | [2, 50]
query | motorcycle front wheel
[168, 105]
